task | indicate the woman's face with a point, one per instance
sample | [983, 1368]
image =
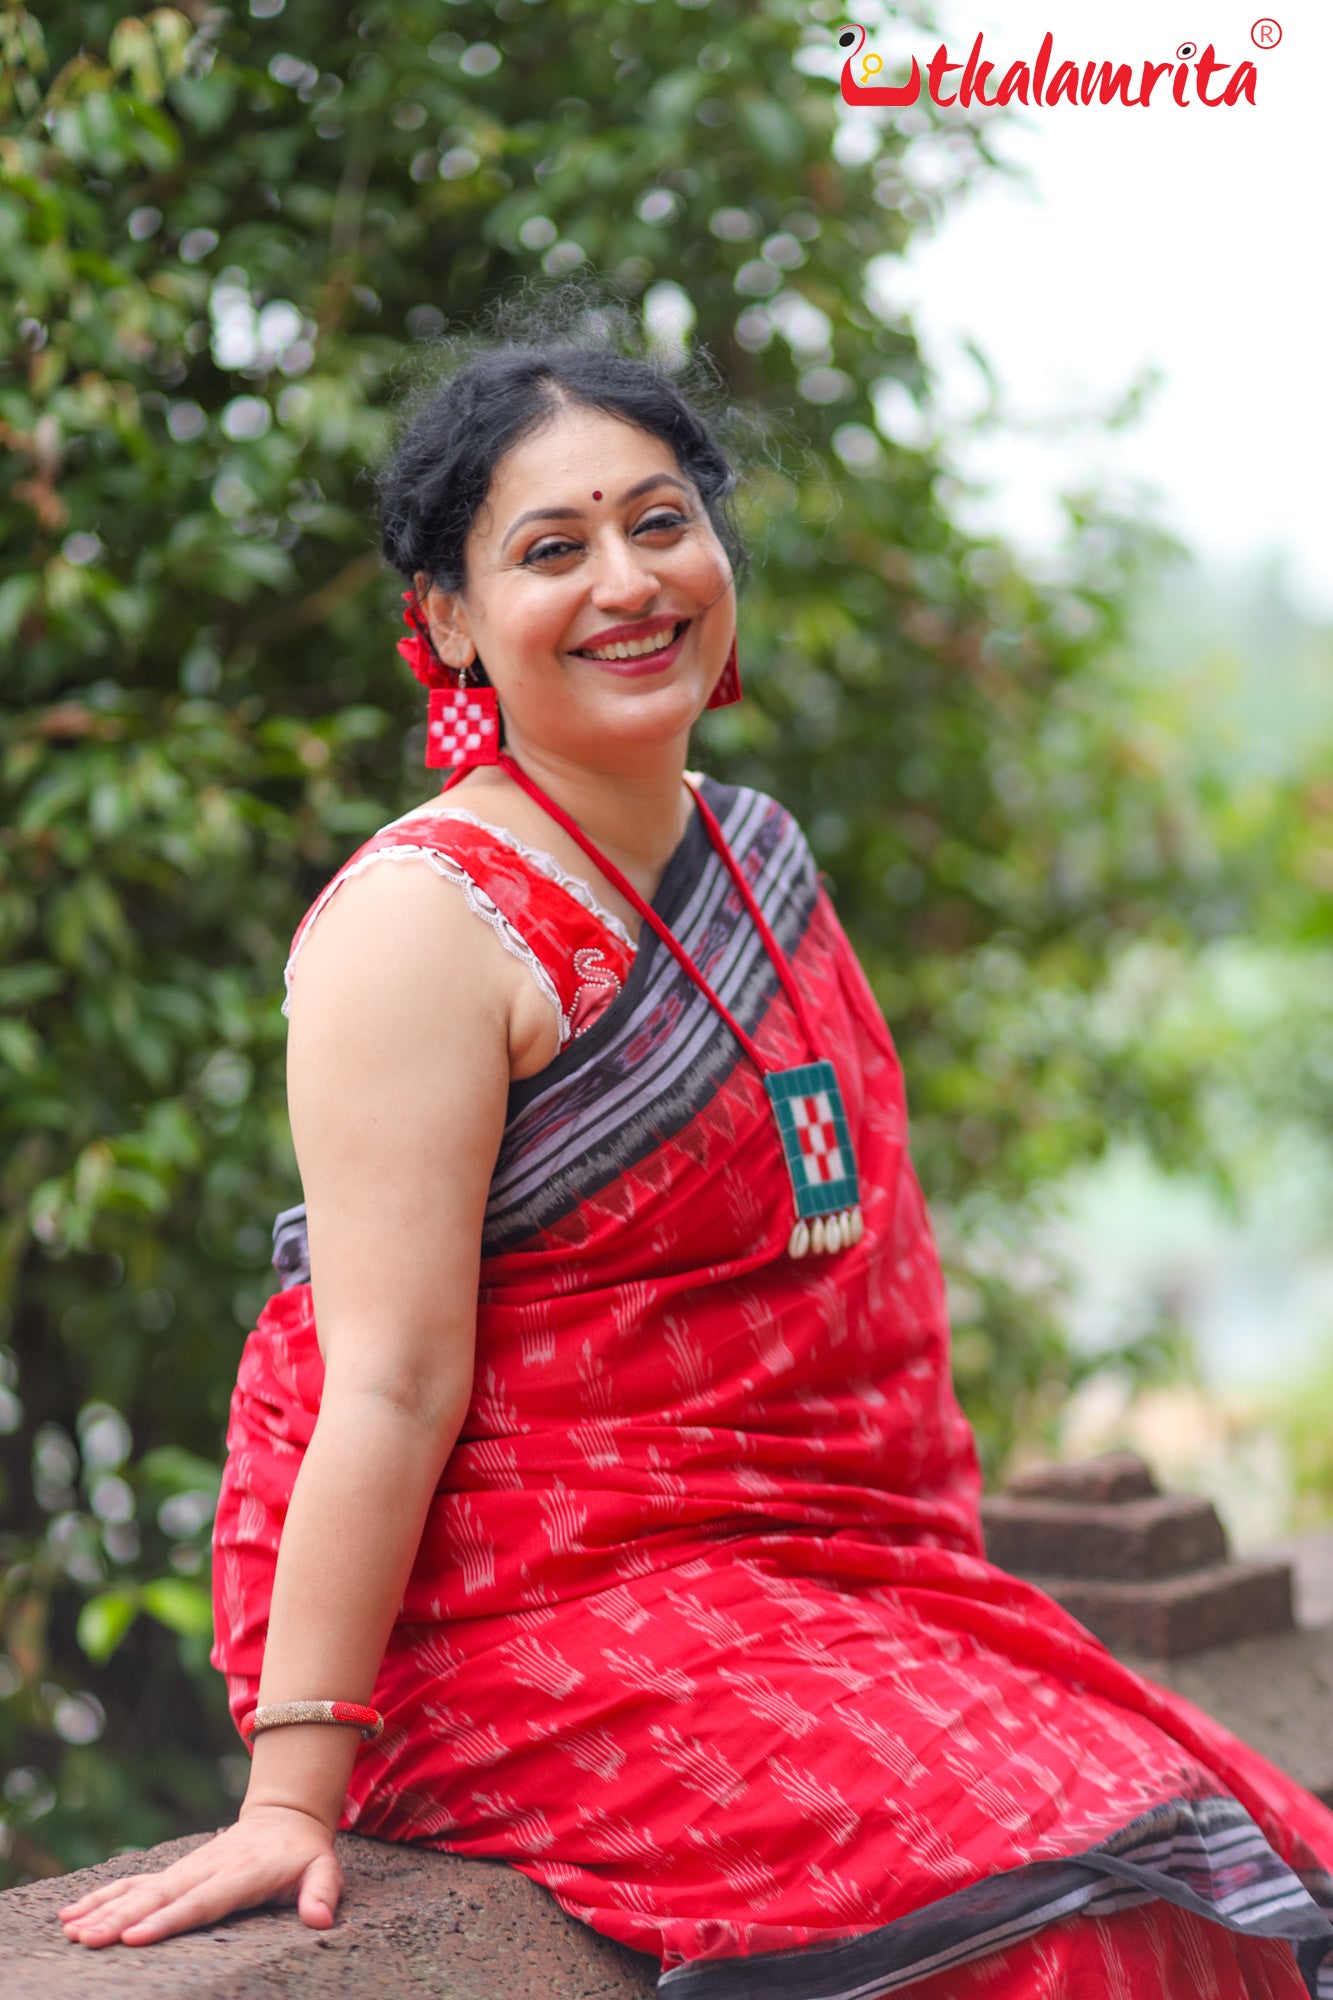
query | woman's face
[598, 594]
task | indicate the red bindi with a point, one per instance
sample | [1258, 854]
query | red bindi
[596, 496]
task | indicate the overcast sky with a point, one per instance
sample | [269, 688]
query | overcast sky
[1197, 241]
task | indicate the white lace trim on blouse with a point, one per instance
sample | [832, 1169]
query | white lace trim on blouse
[545, 864]
[477, 901]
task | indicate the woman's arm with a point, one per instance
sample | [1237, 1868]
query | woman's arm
[398, 1072]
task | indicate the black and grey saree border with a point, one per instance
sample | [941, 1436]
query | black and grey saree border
[657, 1056]
[1205, 1855]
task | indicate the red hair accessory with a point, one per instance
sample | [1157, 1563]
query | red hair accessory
[418, 650]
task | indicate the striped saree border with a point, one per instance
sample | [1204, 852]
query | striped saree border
[604, 1104]
[1166, 1854]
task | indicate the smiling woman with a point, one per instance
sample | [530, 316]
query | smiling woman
[597, 1498]
[602, 620]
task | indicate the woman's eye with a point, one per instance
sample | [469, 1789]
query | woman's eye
[670, 519]
[545, 549]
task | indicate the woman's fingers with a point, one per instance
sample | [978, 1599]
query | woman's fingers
[103, 1915]
[203, 1904]
[137, 1897]
[96, 1897]
[148, 1888]
[285, 1859]
[142, 1899]
[320, 1891]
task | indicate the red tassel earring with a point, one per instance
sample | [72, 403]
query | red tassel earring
[728, 688]
[462, 723]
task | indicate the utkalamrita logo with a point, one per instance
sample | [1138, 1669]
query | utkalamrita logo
[1067, 82]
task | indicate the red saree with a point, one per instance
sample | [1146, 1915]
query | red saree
[700, 1633]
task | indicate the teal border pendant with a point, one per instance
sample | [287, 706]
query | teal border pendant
[817, 1146]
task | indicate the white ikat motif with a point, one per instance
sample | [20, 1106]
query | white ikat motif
[739, 1867]
[770, 1703]
[471, 1547]
[532, 1830]
[620, 1840]
[693, 1369]
[620, 1607]
[884, 1744]
[593, 1750]
[818, 1798]
[472, 1743]
[713, 1624]
[846, 1902]
[700, 1766]
[539, 1665]
[637, 1671]
[563, 1518]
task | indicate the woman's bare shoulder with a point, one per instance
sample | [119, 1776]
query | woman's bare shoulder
[400, 938]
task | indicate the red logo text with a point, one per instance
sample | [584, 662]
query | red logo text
[1195, 77]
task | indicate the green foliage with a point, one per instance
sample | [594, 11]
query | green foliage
[222, 235]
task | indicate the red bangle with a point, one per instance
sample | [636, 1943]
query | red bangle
[274, 1714]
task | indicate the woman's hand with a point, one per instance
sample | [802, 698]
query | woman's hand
[274, 1854]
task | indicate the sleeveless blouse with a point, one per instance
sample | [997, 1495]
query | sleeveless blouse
[578, 956]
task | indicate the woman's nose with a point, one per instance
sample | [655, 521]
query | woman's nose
[626, 577]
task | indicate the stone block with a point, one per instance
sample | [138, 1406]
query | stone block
[1163, 1618]
[1123, 1539]
[413, 1925]
[1114, 1476]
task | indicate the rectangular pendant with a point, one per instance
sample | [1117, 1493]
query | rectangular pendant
[817, 1146]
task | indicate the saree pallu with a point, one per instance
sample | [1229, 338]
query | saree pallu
[700, 1633]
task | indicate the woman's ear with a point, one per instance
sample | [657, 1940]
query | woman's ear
[448, 624]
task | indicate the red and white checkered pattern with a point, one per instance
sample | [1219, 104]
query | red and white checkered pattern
[463, 727]
[821, 1155]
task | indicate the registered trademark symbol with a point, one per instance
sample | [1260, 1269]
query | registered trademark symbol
[1266, 32]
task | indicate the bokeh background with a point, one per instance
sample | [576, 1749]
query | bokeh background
[1037, 644]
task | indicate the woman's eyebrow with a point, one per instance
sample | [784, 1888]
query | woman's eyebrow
[576, 513]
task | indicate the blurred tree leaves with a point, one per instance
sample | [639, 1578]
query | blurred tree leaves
[222, 236]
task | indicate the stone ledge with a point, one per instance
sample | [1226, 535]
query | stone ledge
[1146, 1572]
[1124, 1540]
[1276, 1693]
[413, 1925]
[1163, 1617]
[1107, 1480]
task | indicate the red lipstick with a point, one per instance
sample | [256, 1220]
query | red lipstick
[647, 663]
[615, 635]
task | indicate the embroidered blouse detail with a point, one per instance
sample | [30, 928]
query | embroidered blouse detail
[577, 953]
